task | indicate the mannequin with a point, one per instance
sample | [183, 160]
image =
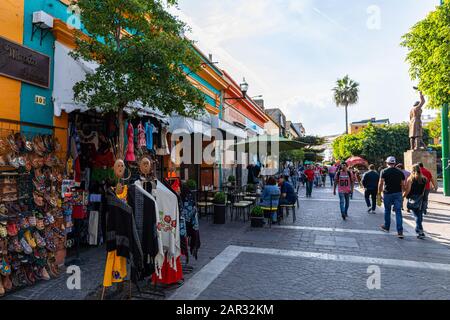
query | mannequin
[121, 188]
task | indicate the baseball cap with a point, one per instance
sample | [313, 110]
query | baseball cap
[391, 160]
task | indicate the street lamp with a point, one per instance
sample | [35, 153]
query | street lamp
[244, 90]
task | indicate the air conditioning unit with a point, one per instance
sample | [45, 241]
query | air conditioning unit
[43, 19]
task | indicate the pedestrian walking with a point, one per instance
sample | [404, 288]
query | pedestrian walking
[309, 175]
[370, 183]
[332, 173]
[392, 185]
[324, 173]
[430, 181]
[344, 182]
[414, 192]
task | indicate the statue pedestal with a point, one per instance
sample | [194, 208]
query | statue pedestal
[428, 158]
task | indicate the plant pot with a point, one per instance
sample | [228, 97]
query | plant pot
[219, 213]
[257, 222]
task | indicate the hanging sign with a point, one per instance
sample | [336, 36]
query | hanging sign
[21, 63]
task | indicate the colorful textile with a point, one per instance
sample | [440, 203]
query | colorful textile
[149, 135]
[115, 269]
[169, 224]
[142, 143]
[130, 147]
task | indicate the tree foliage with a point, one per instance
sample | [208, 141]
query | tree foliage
[293, 155]
[142, 57]
[375, 143]
[435, 127]
[428, 43]
[346, 92]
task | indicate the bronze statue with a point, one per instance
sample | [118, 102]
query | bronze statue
[415, 125]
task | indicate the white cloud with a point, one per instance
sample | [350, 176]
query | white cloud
[292, 51]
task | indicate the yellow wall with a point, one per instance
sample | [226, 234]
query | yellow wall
[11, 27]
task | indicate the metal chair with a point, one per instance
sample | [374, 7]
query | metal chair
[271, 209]
[204, 204]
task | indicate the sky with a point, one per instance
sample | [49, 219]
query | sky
[293, 51]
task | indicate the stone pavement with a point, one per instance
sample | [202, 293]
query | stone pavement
[319, 257]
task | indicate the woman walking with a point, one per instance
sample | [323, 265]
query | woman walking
[414, 191]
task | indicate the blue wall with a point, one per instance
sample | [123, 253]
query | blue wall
[29, 111]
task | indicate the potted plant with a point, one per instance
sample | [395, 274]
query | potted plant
[232, 180]
[220, 205]
[191, 184]
[251, 188]
[257, 217]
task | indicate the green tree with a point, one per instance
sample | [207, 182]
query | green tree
[294, 155]
[429, 55]
[435, 127]
[142, 59]
[312, 150]
[375, 143]
[346, 93]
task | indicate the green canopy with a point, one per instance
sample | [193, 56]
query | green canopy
[254, 143]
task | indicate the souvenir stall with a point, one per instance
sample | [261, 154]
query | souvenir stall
[92, 153]
[150, 223]
[32, 224]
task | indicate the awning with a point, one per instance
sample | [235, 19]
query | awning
[68, 72]
[180, 125]
[233, 130]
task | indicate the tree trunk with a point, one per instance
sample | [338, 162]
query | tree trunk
[346, 118]
[121, 147]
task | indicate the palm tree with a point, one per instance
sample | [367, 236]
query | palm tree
[345, 94]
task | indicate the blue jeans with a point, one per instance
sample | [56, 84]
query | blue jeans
[419, 219]
[344, 199]
[396, 200]
[332, 175]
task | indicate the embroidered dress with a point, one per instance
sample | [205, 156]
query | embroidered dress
[169, 223]
[142, 143]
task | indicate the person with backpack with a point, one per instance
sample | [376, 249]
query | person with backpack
[344, 182]
[414, 192]
[370, 182]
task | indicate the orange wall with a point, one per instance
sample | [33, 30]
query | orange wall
[11, 27]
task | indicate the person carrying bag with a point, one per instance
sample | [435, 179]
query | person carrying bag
[414, 192]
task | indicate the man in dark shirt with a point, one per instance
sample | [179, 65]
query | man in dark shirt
[370, 182]
[391, 185]
[288, 195]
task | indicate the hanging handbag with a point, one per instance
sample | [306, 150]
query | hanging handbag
[415, 202]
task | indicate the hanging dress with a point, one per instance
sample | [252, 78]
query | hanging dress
[149, 135]
[142, 143]
[130, 147]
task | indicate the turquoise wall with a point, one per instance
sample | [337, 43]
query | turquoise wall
[29, 111]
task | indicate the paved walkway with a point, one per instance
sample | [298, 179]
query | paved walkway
[319, 257]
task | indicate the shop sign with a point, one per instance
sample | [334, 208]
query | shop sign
[40, 100]
[21, 63]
